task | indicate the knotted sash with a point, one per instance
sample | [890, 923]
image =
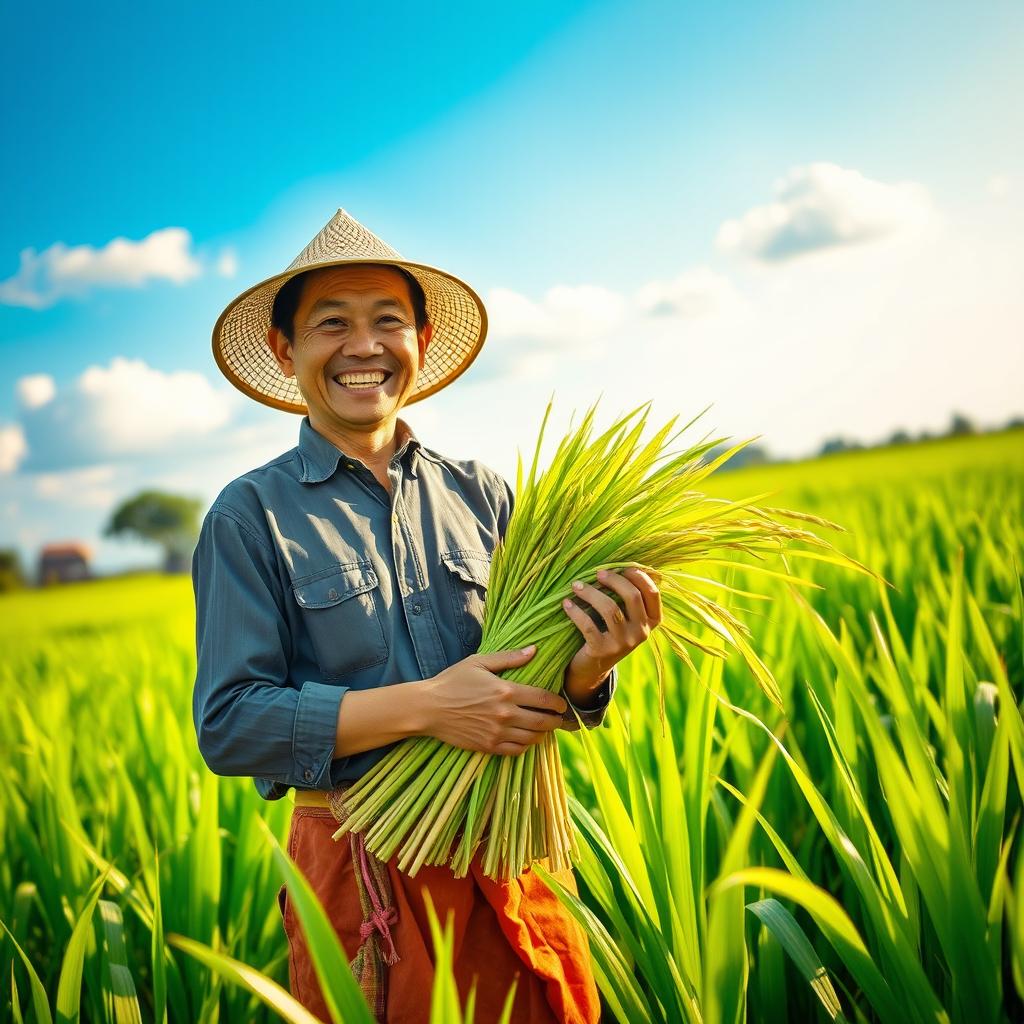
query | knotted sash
[377, 951]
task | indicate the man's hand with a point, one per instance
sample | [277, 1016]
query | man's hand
[468, 705]
[627, 627]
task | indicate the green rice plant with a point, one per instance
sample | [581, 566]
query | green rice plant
[851, 852]
[101, 771]
[604, 503]
[930, 941]
[344, 1000]
[667, 944]
[117, 993]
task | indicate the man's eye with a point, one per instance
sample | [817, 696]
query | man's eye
[332, 321]
[389, 319]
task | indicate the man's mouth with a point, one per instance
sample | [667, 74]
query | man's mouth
[364, 380]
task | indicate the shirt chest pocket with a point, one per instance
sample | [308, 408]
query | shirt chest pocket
[468, 572]
[340, 609]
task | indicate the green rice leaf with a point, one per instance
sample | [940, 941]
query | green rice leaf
[285, 1005]
[122, 985]
[40, 1003]
[69, 987]
[792, 939]
[837, 927]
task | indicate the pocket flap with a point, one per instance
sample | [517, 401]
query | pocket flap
[333, 586]
[472, 566]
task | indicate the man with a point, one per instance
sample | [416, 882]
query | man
[339, 598]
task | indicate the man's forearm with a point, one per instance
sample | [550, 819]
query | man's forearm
[368, 719]
[373, 718]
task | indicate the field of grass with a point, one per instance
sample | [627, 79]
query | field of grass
[855, 858]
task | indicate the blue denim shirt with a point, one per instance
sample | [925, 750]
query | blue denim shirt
[311, 579]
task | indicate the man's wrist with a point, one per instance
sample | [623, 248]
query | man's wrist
[593, 714]
[585, 693]
[417, 708]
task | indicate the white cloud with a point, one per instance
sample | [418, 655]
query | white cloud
[821, 206]
[998, 186]
[12, 447]
[36, 390]
[123, 410]
[582, 322]
[566, 314]
[575, 317]
[227, 263]
[81, 488]
[692, 293]
[44, 278]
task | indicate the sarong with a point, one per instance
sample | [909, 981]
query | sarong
[502, 931]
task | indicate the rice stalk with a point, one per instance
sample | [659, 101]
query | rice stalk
[610, 502]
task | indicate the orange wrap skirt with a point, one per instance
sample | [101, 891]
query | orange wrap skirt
[503, 931]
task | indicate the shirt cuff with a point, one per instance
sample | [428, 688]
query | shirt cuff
[316, 732]
[592, 716]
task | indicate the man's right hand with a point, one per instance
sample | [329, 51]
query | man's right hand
[469, 705]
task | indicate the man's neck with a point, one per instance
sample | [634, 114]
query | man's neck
[374, 448]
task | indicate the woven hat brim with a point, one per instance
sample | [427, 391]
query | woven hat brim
[242, 354]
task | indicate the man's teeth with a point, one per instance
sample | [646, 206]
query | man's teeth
[360, 380]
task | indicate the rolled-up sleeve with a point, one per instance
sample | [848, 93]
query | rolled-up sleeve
[249, 717]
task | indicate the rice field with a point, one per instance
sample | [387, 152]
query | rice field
[853, 857]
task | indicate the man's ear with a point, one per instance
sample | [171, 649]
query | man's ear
[282, 349]
[424, 337]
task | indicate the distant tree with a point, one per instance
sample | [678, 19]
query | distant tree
[839, 444]
[11, 576]
[899, 437]
[752, 455]
[170, 520]
[1015, 423]
[960, 425]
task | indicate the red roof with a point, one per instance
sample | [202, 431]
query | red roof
[63, 550]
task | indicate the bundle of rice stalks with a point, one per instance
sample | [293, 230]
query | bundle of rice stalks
[604, 503]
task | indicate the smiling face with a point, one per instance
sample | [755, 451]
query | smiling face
[355, 351]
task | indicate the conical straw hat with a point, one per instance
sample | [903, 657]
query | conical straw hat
[240, 334]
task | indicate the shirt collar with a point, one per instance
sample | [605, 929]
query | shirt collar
[320, 457]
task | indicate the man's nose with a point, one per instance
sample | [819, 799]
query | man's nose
[363, 341]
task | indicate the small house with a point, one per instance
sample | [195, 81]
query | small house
[64, 563]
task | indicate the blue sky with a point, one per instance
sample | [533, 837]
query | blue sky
[582, 165]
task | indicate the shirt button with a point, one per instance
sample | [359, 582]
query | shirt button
[332, 594]
[309, 775]
[417, 608]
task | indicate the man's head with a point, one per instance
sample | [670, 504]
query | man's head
[362, 318]
[251, 337]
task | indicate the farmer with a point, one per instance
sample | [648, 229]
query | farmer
[339, 598]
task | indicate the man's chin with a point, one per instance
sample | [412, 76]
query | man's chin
[363, 413]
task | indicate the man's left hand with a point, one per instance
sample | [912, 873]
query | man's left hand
[627, 627]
